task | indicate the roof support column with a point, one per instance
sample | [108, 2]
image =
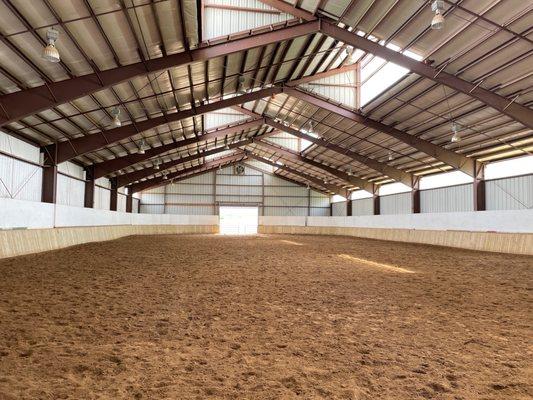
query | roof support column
[129, 203]
[49, 186]
[114, 195]
[349, 206]
[375, 200]
[479, 187]
[415, 196]
[89, 187]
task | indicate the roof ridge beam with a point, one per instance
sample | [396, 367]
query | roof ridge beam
[516, 111]
[17, 105]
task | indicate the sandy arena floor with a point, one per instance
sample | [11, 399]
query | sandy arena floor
[268, 317]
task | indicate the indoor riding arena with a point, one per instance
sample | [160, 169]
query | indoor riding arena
[266, 199]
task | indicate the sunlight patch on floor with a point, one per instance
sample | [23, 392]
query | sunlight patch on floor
[291, 242]
[388, 267]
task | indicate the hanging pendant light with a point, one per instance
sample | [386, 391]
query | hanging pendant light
[116, 122]
[156, 164]
[141, 148]
[390, 156]
[50, 52]
[456, 137]
[438, 19]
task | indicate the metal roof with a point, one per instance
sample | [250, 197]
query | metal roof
[487, 43]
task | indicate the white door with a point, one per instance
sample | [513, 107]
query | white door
[238, 220]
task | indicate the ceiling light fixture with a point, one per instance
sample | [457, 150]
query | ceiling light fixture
[141, 148]
[156, 164]
[116, 122]
[456, 136]
[438, 19]
[50, 52]
[390, 156]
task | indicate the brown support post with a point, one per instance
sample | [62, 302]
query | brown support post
[415, 200]
[330, 208]
[49, 186]
[129, 203]
[349, 207]
[89, 187]
[114, 195]
[479, 187]
[375, 198]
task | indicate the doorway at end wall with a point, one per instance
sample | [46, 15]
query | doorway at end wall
[238, 220]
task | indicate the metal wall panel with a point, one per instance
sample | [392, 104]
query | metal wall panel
[190, 210]
[219, 22]
[189, 198]
[19, 148]
[319, 200]
[70, 191]
[71, 169]
[339, 209]
[223, 117]
[285, 211]
[152, 198]
[319, 211]
[334, 87]
[135, 206]
[299, 191]
[102, 198]
[20, 180]
[152, 209]
[447, 199]
[363, 207]
[510, 193]
[121, 202]
[286, 201]
[395, 204]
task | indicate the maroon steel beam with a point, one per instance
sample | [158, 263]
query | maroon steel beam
[343, 176]
[516, 111]
[479, 189]
[332, 188]
[113, 198]
[126, 179]
[69, 149]
[49, 184]
[23, 103]
[107, 167]
[392, 172]
[451, 158]
[159, 180]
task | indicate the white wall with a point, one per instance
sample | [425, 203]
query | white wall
[497, 221]
[27, 214]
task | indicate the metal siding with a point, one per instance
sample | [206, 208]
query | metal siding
[319, 212]
[152, 209]
[135, 208]
[70, 191]
[102, 198]
[190, 210]
[285, 211]
[19, 148]
[339, 209]
[395, 204]
[220, 22]
[447, 199]
[344, 95]
[20, 180]
[121, 202]
[363, 206]
[189, 198]
[71, 169]
[223, 117]
[510, 193]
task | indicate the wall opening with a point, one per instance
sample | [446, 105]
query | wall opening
[238, 220]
